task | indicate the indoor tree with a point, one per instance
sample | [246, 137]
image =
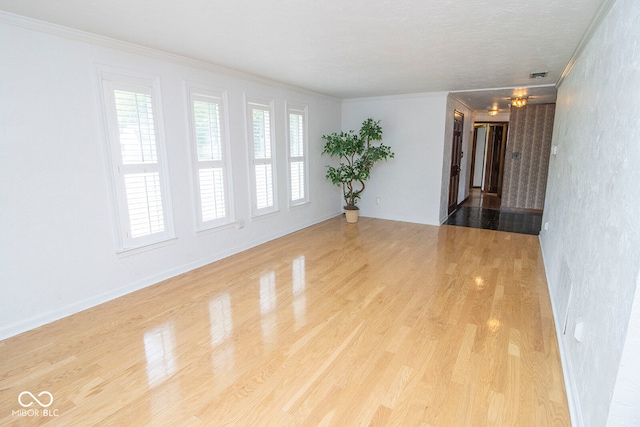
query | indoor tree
[358, 152]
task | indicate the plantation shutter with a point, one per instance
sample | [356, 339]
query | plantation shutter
[297, 159]
[210, 159]
[261, 142]
[139, 162]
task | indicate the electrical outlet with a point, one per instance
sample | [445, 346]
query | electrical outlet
[379, 200]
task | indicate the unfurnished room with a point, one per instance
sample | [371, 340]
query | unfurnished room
[338, 213]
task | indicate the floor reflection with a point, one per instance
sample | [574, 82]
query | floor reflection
[298, 288]
[267, 293]
[161, 398]
[489, 219]
[267, 307]
[223, 350]
[494, 325]
[220, 319]
[159, 348]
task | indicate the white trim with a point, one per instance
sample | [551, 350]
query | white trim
[108, 78]
[573, 400]
[217, 228]
[502, 88]
[419, 95]
[264, 216]
[145, 248]
[7, 331]
[266, 104]
[597, 19]
[193, 91]
[299, 206]
[304, 111]
[98, 40]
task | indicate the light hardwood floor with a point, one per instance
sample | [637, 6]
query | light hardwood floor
[379, 323]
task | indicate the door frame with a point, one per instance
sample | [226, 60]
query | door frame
[488, 155]
[456, 158]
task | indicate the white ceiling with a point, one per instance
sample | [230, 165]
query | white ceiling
[500, 99]
[350, 48]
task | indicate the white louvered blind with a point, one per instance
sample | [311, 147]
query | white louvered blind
[135, 124]
[261, 133]
[144, 202]
[139, 168]
[262, 158]
[210, 160]
[296, 172]
[297, 156]
[264, 186]
[212, 203]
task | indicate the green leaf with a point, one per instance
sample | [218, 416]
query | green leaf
[357, 155]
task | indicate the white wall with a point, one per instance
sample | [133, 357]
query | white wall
[482, 116]
[57, 247]
[409, 185]
[591, 207]
[625, 403]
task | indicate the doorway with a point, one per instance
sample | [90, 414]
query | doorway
[456, 157]
[487, 157]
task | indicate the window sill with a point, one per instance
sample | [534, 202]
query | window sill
[265, 215]
[299, 205]
[122, 253]
[215, 228]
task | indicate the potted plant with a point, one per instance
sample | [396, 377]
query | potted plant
[358, 153]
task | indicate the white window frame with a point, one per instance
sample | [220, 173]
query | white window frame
[265, 105]
[110, 82]
[302, 111]
[197, 93]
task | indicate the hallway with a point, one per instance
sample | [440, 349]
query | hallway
[482, 210]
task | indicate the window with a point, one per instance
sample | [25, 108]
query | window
[210, 150]
[297, 148]
[137, 160]
[261, 149]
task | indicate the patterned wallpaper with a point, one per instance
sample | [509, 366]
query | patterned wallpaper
[527, 157]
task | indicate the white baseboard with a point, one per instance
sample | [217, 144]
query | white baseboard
[7, 331]
[573, 400]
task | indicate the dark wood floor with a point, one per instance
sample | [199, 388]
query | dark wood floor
[482, 210]
[479, 199]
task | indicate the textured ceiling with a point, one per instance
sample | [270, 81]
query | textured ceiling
[500, 99]
[347, 48]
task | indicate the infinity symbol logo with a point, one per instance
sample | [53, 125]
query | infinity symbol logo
[44, 405]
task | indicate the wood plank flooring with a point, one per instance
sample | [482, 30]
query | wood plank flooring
[379, 323]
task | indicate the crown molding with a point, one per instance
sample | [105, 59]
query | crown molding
[595, 23]
[417, 95]
[98, 40]
[493, 89]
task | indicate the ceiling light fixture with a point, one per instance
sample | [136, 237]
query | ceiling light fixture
[492, 112]
[519, 101]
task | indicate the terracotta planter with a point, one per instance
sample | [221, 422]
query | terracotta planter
[352, 215]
